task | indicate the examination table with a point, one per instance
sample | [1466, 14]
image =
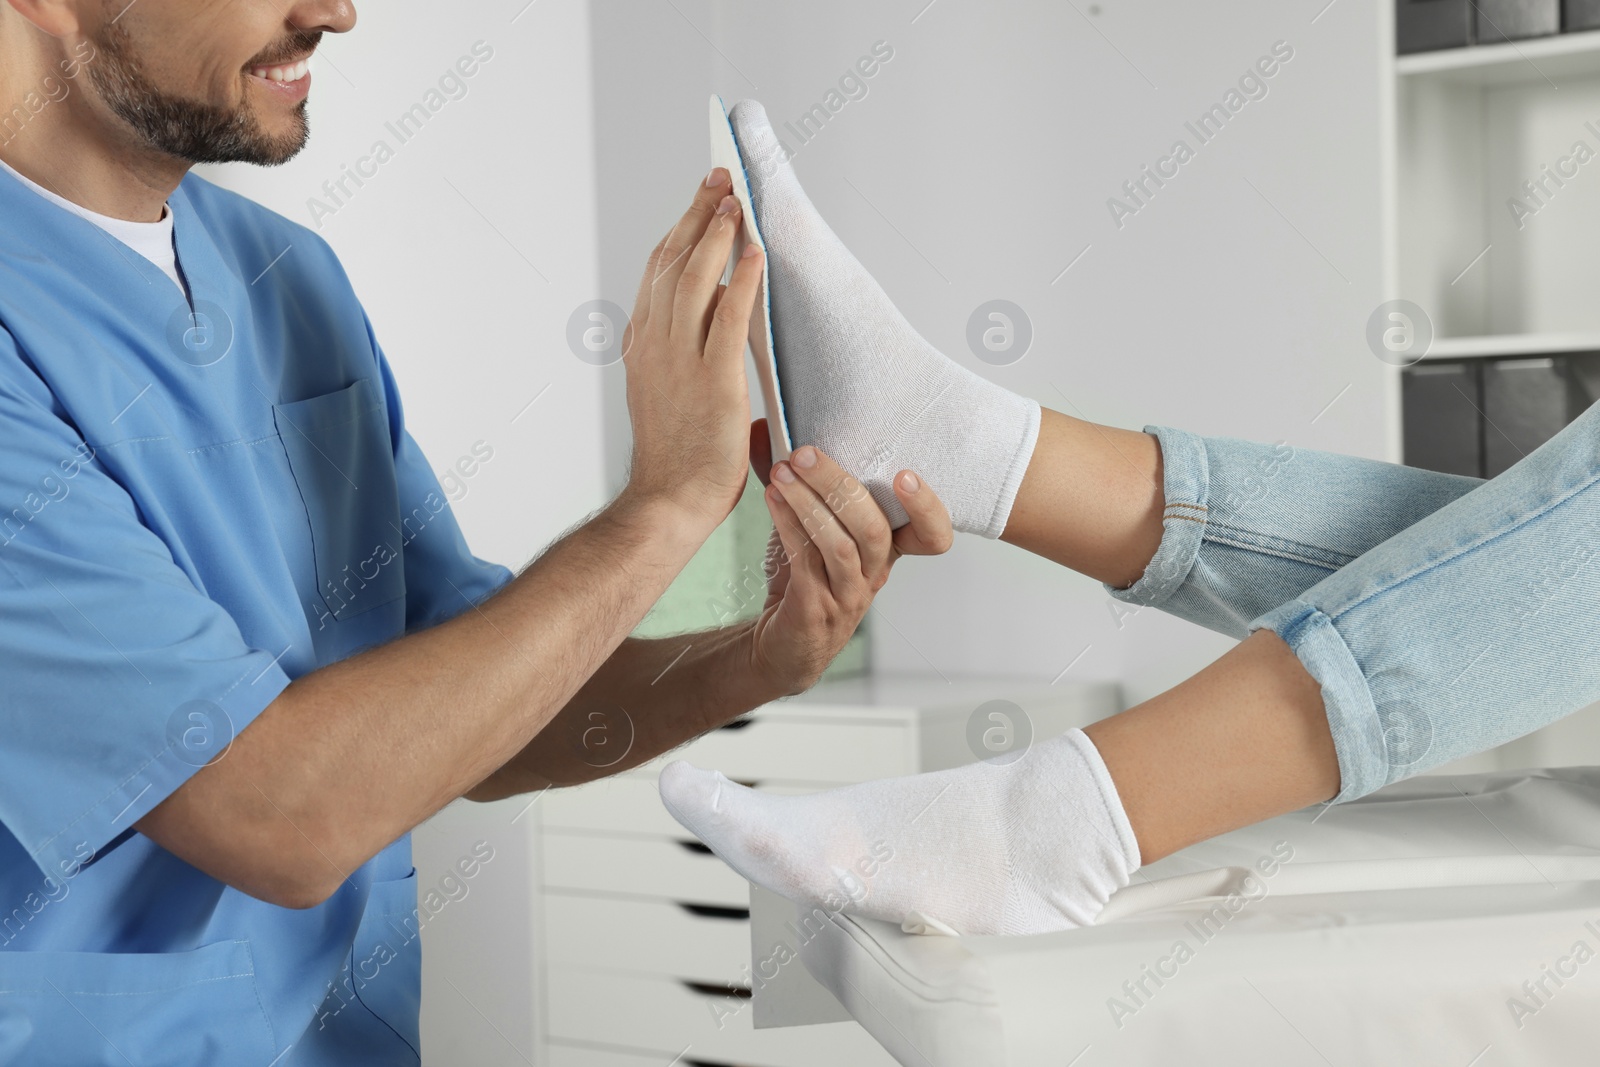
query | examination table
[1451, 921]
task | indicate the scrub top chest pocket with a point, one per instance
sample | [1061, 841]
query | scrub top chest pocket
[343, 462]
[164, 1009]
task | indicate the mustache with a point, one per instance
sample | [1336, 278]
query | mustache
[296, 45]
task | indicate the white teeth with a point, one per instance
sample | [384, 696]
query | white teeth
[283, 74]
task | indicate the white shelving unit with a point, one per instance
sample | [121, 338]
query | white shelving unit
[1471, 126]
[1518, 344]
[1561, 56]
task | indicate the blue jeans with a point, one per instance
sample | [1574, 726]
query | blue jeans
[1441, 615]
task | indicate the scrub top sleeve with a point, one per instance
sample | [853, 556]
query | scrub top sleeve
[118, 677]
[443, 577]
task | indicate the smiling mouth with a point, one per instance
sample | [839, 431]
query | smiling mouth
[283, 72]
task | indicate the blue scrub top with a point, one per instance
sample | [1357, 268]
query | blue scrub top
[199, 502]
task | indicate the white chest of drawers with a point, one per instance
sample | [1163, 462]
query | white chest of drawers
[643, 936]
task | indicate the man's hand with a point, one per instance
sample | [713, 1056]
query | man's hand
[684, 353]
[830, 553]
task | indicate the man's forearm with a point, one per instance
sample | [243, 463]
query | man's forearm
[352, 756]
[650, 697]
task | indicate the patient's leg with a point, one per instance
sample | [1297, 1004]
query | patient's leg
[1246, 526]
[1214, 530]
[1403, 619]
[1041, 843]
[1092, 499]
[1037, 845]
[1473, 626]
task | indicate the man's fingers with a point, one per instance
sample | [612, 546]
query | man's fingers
[641, 302]
[800, 556]
[730, 323]
[928, 533]
[853, 506]
[701, 280]
[761, 451]
[835, 544]
[775, 566]
[681, 243]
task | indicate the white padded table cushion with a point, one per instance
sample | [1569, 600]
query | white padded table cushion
[1397, 929]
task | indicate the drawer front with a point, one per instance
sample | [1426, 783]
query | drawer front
[648, 1013]
[573, 1056]
[669, 1019]
[646, 867]
[626, 803]
[769, 748]
[561, 1055]
[806, 1046]
[661, 938]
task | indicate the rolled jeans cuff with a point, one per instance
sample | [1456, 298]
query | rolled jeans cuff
[1186, 485]
[1367, 752]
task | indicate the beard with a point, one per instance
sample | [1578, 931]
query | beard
[196, 132]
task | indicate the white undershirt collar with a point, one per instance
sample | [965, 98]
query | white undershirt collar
[152, 240]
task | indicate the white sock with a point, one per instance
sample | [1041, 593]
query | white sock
[1028, 847]
[858, 382]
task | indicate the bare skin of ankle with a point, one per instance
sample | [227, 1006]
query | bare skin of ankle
[1245, 739]
[1091, 500]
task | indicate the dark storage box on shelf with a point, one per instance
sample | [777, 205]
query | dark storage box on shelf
[1514, 20]
[1481, 416]
[1578, 15]
[1429, 25]
[1440, 421]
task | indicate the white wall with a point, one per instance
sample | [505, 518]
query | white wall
[439, 245]
[979, 165]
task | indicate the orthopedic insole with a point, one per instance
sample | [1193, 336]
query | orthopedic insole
[725, 153]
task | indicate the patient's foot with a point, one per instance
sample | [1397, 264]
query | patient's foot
[858, 382]
[1037, 845]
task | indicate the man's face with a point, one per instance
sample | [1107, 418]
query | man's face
[212, 81]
